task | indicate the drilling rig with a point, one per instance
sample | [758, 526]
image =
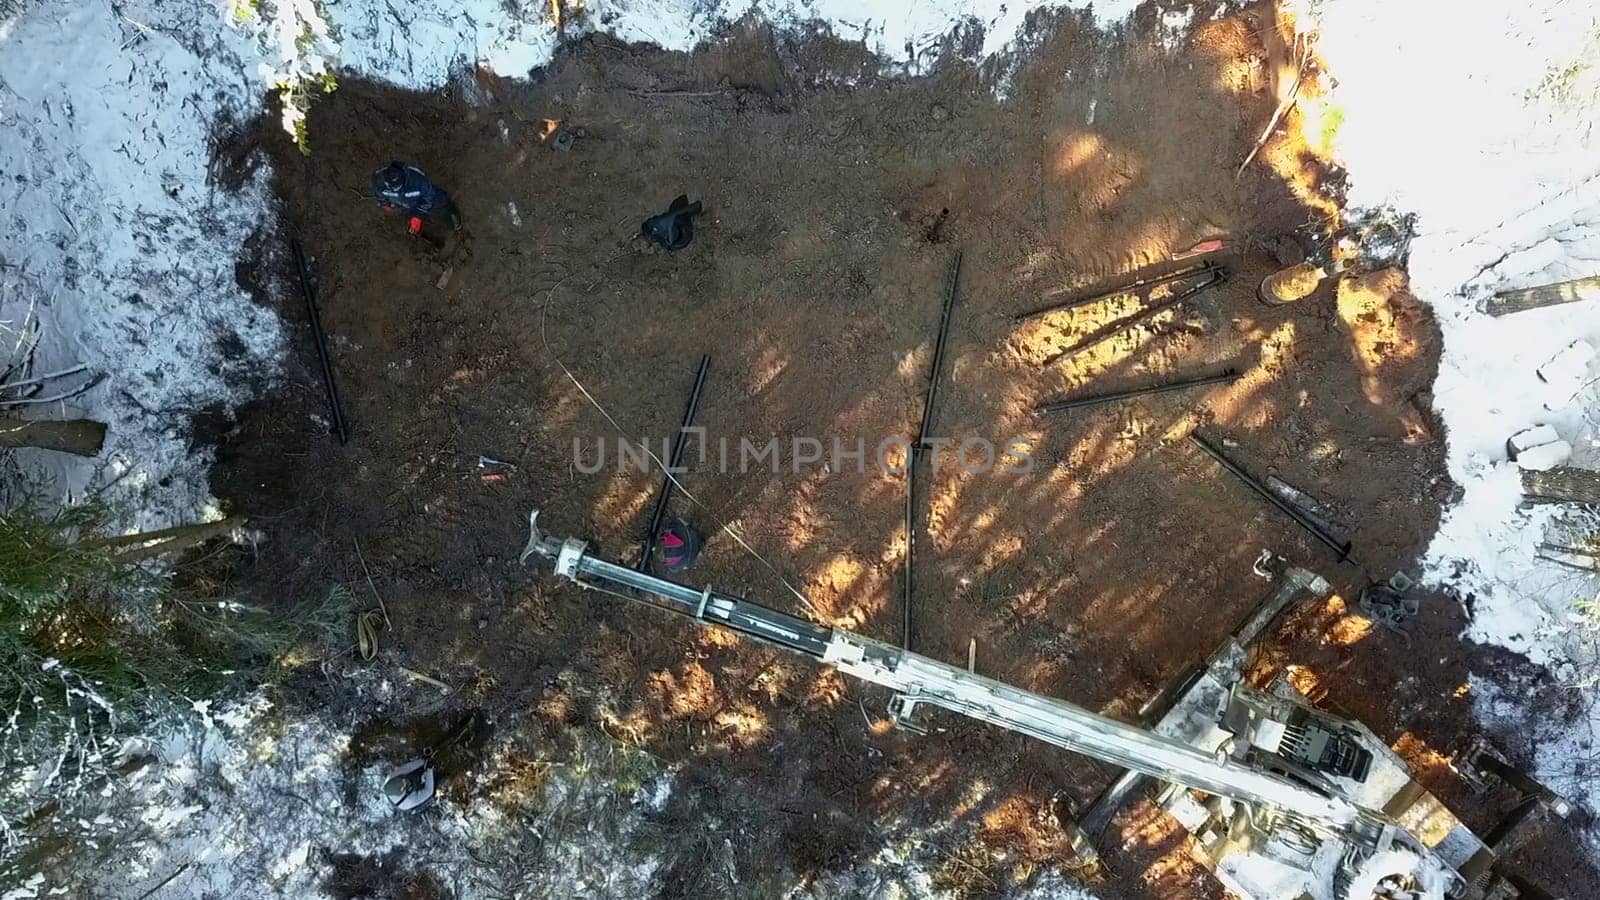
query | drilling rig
[1283, 800]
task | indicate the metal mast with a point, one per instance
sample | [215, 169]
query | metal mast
[918, 679]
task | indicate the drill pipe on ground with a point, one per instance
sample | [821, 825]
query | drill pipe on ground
[341, 427]
[664, 496]
[1226, 377]
[1149, 281]
[1287, 508]
[1215, 275]
[914, 456]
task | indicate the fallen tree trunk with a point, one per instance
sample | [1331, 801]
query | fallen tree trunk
[83, 437]
[130, 547]
[1563, 485]
[1507, 302]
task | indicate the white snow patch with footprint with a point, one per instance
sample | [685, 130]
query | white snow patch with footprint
[116, 235]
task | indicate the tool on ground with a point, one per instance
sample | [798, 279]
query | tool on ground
[1227, 376]
[1294, 800]
[1199, 279]
[1204, 248]
[1390, 604]
[664, 496]
[1342, 548]
[673, 229]
[411, 785]
[341, 428]
[920, 445]
[1116, 290]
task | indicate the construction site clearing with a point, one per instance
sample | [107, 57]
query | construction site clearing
[1000, 396]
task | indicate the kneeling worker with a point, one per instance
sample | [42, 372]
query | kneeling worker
[404, 189]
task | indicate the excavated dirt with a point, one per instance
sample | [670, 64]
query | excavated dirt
[815, 282]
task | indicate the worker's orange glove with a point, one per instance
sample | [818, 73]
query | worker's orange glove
[416, 225]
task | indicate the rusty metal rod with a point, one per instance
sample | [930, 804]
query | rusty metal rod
[1124, 288]
[1284, 506]
[1226, 377]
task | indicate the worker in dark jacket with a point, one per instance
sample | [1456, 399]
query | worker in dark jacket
[403, 188]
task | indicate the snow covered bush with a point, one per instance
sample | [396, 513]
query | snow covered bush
[95, 643]
[298, 51]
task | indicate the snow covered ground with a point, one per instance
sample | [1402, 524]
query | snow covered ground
[115, 236]
[1480, 118]
[584, 826]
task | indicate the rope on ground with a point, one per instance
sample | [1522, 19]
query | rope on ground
[367, 635]
[375, 595]
[544, 312]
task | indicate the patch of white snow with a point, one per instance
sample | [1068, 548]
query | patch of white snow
[115, 232]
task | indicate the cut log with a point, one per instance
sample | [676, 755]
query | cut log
[83, 437]
[147, 544]
[1563, 485]
[1507, 302]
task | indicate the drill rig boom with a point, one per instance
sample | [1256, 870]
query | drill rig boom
[918, 679]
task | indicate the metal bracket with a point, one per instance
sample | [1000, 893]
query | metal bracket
[567, 557]
[535, 538]
[901, 708]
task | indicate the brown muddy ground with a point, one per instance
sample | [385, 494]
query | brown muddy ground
[815, 284]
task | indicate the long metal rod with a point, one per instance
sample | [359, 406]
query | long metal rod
[929, 406]
[341, 428]
[1285, 507]
[1124, 288]
[1226, 377]
[1215, 275]
[664, 496]
[919, 679]
[908, 582]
